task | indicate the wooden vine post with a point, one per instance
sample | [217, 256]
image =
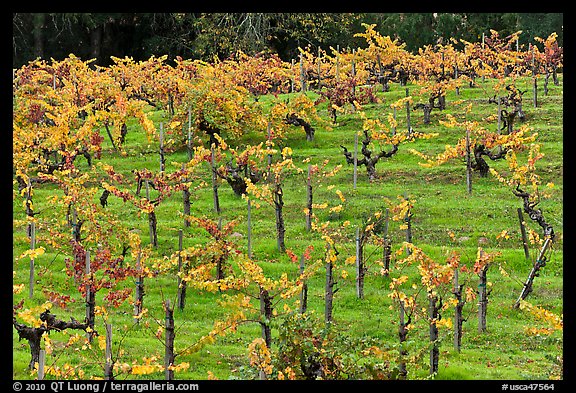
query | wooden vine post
[162, 157]
[41, 364]
[523, 232]
[468, 163]
[304, 292]
[28, 203]
[32, 247]
[355, 158]
[402, 335]
[319, 60]
[483, 38]
[265, 315]
[408, 221]
[139, 293]
[278, 204]
[482, 299]
[269, 155]
[456, 77]
[189, 139]
[249, 225]
[181, 297]
[434, 306]
[109, 364]
[329, 287]
[499, 115]
[90, 299]
[309, 199]
[337, 63]
[292, 83]
[302, 75]
[458, 318]
[151, 220]
[214, 179]
[169, 344]
[75, 223]
[186, 201]
[353, 70]
[360, 270]
[535, 80]
[408, 113]
[386, 245]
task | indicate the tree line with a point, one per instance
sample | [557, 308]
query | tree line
[206, 35]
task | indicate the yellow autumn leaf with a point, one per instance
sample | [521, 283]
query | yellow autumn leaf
[102, 342]
[32, 254]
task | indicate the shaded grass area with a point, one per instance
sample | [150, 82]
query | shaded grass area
[442, 206]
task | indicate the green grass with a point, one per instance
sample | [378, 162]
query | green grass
[442, 206]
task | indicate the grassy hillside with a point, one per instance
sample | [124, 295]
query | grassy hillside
[442, 206]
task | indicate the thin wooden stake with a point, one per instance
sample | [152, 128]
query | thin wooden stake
[433, 315]
[468, 163]
[90, 298]
[32, 247]
[181, 283]
[353, 63]
[523, 231]
[355, 158]
[162, 158]
[482, 299]
[337, 63]
[292, 79]
[186, 202]
[249, 223]
[328, 288]
[394, 116]
[483, 77]
[109, 366]
[269, 156]
[214, 180]
[319, 69]
[386, 247]
[408, 113]
[169, 344]
[535, 90]
[402, 333]
[499, 114]
[407, 220]
[139, 293]
[309, 199]
[359, 267]
[457, 291]
[189, 140]
[304, 292]
[535, 87]
[302, 75]
[456, 76]
[151, 221]
[41, 364]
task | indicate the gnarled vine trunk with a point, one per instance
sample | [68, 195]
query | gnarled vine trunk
[369, 161]
[34, 335]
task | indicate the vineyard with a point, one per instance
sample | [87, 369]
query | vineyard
[364, 213]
